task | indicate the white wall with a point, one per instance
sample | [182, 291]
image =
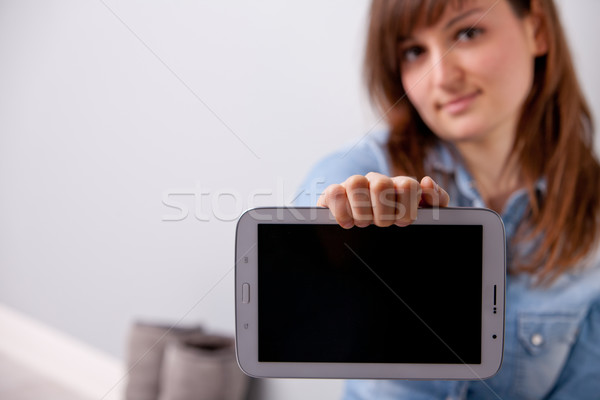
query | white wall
[580, 19]
[108, 107]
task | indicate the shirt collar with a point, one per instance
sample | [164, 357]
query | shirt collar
[445, 159]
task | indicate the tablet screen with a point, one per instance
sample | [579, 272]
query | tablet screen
[370, 295]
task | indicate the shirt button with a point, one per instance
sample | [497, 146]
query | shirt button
[537, 339]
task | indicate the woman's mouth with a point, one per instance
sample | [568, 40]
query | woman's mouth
[459, 104]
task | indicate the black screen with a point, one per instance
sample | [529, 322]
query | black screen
[376, 295]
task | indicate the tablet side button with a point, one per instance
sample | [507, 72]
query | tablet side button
[246, 293]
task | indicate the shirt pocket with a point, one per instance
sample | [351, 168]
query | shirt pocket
[545, 341]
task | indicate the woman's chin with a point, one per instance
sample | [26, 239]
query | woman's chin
[462, 136]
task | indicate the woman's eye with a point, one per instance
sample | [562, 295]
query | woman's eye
[412, 53]
[464, 35]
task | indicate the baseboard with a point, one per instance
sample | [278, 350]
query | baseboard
[62, 358]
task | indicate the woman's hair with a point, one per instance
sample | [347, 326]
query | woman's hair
[554, 140]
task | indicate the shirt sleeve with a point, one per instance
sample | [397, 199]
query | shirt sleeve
[580, 378]
[366, 155]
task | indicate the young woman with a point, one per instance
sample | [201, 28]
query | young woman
[484, 109]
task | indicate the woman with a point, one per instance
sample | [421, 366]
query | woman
[484, 109]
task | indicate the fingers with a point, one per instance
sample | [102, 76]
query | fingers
[381, 200]
[433, 194]
[335, 198]
[357, 188]
[408, 197]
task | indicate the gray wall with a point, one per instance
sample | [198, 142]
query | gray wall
[110, 111]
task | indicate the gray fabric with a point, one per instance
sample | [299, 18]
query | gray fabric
[202, 368]
[146, 345]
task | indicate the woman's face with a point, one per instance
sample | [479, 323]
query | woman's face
[470, 73]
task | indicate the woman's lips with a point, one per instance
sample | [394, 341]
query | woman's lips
[459, 104]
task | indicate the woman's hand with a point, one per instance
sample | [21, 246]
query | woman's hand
[381, 200]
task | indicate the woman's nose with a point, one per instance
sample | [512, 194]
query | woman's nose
[446, 71]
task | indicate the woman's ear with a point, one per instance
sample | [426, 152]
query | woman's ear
[539, 27]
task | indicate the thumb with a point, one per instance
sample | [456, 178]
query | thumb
[433, 194]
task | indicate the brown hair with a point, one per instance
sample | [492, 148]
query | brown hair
[555, 139]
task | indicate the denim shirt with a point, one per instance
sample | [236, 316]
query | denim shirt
[552, 334]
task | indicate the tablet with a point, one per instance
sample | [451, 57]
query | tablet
[425, 301]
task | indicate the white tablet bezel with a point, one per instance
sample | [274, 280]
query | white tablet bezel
[246, 306]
